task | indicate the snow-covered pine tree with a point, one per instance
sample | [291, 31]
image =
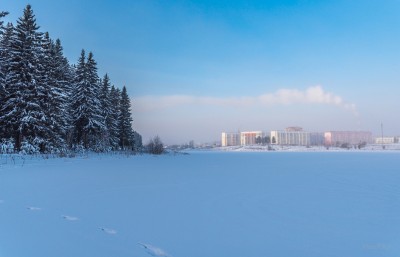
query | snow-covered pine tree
[45, 102]
[87, 113]
[125, 122]
[2, 14]
[71, 85]
[96, 127]
[79, 100]
[105, 107]
[64, 75]
[110, 112]
[52, 97]
[3, 62]
[115, 99]
[5, 41]
[22, 109]
[138, 140]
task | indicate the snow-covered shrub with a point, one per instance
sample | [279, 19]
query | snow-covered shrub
[7, 146]
[38, 145]
[63, 152]
[100, 147]
[29, 148]
[78, 149]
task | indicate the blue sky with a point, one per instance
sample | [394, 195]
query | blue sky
[197, 68]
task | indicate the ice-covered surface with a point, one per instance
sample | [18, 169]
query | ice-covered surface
[205, 204]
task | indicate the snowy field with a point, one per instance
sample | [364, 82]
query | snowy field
[205, 204]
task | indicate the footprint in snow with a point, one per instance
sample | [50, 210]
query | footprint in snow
[109, 231]
[32, 208]
[155, 251]
[70, 218]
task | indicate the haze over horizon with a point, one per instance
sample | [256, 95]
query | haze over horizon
[196, 68]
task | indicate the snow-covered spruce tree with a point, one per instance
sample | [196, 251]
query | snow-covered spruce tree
[113, 127]
[126, 135]
[5, 40]
[96, 127]
[3, 67]
[138, 140]
[2, 49]
[106, 108]
[71, 85]
[64, 75]
[88, 122]
[53, 96]
[79, 96]
[23, 111]
[2, 14]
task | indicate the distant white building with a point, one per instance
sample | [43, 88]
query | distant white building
[250, 137]
[291, 136]
[347, 137]
[230, 139]
[386, 140]
[241, 138]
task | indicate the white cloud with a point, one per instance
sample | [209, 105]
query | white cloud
[312, 95]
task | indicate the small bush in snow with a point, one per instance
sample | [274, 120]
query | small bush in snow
[155, 146]
[29, 148]
[362, 145]
[79, 149]
[7, 146]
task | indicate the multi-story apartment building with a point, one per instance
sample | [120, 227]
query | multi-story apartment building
[347, 137]
[230, 139]
[296, 136]
[291, 136]
[386, 140]
[250, 137]
[241, 138]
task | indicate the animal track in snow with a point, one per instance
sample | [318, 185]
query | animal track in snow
[70, 218]
[109, 231]
[32, 208]
[155, 251]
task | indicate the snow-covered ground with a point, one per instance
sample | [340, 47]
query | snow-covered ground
[205, 204]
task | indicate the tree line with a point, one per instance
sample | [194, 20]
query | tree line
[48, 105]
